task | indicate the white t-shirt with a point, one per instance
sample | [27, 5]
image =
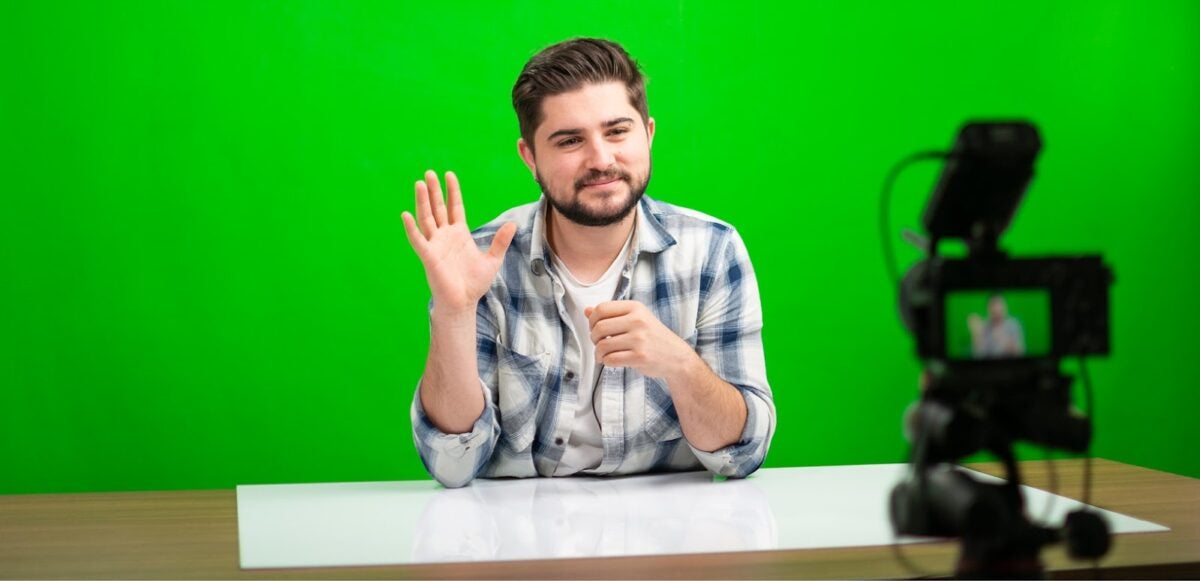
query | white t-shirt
[585, 449]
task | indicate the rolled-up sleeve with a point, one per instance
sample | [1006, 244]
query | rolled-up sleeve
[455, 459]
[729, 340]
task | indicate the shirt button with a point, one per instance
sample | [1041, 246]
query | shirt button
[558, 441]
[570, 375]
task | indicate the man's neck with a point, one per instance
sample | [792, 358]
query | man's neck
[587, 251]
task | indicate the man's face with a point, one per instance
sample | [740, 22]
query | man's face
[997, 309]
[593, 154]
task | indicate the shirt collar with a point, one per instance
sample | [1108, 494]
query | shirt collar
[650, 236]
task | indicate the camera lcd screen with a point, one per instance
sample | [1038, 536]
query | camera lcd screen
[997, 324]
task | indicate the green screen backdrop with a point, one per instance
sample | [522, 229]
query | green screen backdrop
[204, 279]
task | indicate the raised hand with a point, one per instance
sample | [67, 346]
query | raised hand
[458, 273]
[975, 324]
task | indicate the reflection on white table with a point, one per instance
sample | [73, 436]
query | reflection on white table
[643, 515]
[379, 523]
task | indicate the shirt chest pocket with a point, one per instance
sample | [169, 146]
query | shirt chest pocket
[520, 382]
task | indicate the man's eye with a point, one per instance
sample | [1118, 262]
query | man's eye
[568, 142]
[618, 131]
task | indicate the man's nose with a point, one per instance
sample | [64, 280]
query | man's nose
[601, 155]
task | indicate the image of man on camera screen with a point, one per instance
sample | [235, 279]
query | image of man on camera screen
[1000, 335]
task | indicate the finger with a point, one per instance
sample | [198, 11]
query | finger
[594, 315]
[610, 309]
[415, 239]
[609, 328]
[502, 239]
[454, 202]
[435, 197]
[424, 215]
[613, 344]
[619, 359]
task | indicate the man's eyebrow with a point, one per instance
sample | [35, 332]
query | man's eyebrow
[563, 133]
[577, 131]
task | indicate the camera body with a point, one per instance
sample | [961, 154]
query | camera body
[991, 331]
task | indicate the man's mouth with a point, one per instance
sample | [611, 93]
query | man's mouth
[601, 183]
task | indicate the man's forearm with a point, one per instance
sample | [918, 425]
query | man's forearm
[450, 392]
[711, 412]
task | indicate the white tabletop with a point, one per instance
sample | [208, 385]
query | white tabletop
[380, 523]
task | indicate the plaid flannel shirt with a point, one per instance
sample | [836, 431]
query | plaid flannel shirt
[694, 274]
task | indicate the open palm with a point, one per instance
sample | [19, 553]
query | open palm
[458, 273]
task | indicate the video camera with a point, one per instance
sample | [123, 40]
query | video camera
[991, 331]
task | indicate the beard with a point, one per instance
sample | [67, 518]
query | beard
[573, 209]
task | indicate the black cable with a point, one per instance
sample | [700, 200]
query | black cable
[917, 450]
[1053, 474]
[1090, 410]
[885, 201]
[917, 572]
[918, 454]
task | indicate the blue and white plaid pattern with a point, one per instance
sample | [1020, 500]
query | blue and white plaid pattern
[694, 274]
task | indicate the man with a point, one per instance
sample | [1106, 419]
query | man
[1000, 336]
[595, 331]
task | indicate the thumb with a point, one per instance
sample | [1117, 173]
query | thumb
[503, 238]
[588, 312]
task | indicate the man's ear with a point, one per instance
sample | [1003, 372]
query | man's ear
[526, 154]
[650, 131]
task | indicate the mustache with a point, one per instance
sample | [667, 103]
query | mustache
[607, 175]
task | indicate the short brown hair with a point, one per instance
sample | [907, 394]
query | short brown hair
[568, 66]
